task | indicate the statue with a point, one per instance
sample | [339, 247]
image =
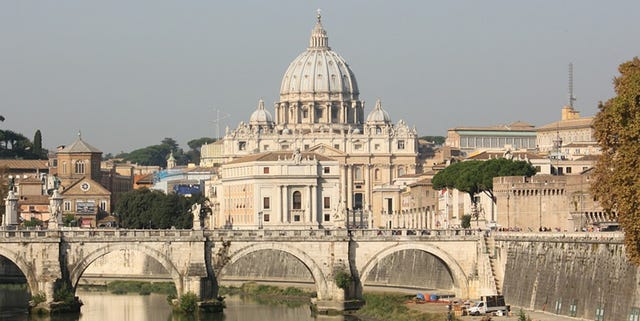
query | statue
[339, 215]
[297, 156]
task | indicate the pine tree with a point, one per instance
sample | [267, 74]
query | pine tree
[617, 172]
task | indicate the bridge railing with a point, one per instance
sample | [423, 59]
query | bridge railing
[319, 234]
[112, 234]
[417, 233]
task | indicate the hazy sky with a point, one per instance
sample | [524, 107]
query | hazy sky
[129, 73]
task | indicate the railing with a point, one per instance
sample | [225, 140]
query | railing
[585, 237]
[102, 234]
[416, 234]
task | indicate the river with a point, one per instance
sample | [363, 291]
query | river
[134, 307]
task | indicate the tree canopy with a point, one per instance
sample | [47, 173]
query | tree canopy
[144, 208]
[617, 172]
[438, 140]
[474, 177]
[16, 145]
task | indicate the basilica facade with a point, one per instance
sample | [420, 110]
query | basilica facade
[320, 112]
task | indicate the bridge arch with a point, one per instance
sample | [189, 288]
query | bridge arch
[79, 267]
[24, 267]
[460, 280]
[313, 267]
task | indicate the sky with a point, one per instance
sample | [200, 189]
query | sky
[127, 74]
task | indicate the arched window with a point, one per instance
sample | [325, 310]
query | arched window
[378, 130]
[79, 167]
[297, 200]
[401, 171]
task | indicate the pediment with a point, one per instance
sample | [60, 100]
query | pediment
[326, 150]
[85, 186]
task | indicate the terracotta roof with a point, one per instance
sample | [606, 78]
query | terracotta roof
[25, 164]
[279, 155]
[34, 199]
[79, 146]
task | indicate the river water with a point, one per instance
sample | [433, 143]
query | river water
[134, 307]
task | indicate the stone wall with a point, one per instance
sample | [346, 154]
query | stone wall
[411, 269]
[569, 274]
[270, 265]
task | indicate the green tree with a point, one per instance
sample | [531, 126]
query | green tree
[155, 155]
[617, 130]
[37, 144]
[466, 221]
[144, 208]
[438, 140]
[474, 177]
[195, 144]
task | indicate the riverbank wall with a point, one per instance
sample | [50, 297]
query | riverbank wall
[571, 274]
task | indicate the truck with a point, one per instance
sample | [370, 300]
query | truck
[490, 304]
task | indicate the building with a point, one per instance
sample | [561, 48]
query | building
[517, 135]
[80, 181]
[573, 133]
[319, 111]
[279, 190]
[556, 202]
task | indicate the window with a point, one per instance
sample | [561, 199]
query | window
[326, 204]
[378, 130]
[32, 208]
[357, 171]
[284, 147]
[266, 203]
[327, 170]
[327, 218]
[600, 313]
[568, 170]
[336, 146]
[265, 170]
[357, 146]
[297, 200]
[401, 144]
[67, 205]
[376, 146]
[54, 162]
[305, 114]
[401, 171]
[103, 205]
[242, 145]
[64, 167]
[266, 147]
[79, 167]
[266, 217]
[376, 174]
[306, 147]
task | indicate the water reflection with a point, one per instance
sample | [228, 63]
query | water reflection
[135, 307]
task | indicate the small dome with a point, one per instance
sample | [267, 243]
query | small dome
[318, 70]
[261, 116]
[378, 115]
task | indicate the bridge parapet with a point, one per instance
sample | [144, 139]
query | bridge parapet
[561, 237]
[416, 235]
[113, 235]
[279, 235]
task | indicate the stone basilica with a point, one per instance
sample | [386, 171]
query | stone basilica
[320, 116]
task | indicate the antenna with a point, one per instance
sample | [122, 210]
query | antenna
[571, 97]
[217, 121]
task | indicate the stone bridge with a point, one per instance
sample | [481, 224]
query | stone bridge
[450, 261]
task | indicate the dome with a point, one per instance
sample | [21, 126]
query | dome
[261, 116]
[318, 70]
[378, 115]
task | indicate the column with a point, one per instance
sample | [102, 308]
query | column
[312, 203]
[285, 201]
[278, 209]
[350, 187]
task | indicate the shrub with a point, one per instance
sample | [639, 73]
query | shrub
[188, 302]
[39, 298]
[343, 279]
[64, 294]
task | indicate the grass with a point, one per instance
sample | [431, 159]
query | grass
[268, 294]
[143, 288]
[391, 307]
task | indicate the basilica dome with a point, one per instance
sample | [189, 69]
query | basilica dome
[261, 116]
[378, 115]
[318, 70]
